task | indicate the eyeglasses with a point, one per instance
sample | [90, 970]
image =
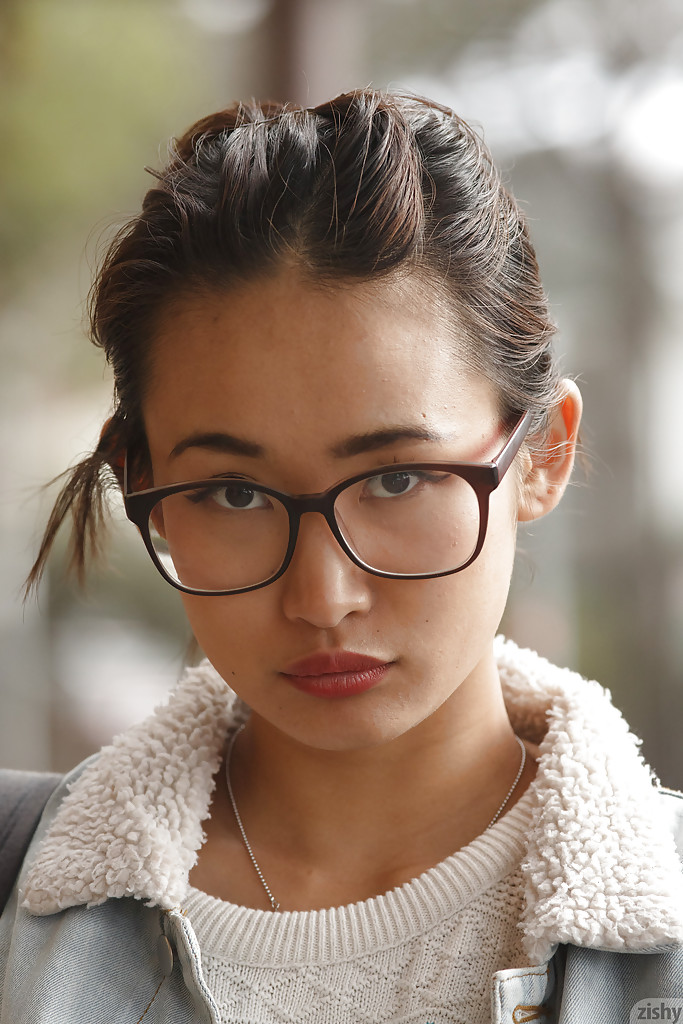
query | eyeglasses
[412, 520]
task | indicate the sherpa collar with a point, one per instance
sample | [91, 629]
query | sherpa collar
[601, 868]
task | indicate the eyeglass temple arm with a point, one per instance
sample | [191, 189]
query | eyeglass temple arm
[507, 456]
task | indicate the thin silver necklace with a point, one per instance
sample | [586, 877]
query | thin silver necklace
[228, 754]
[273, 902]
[511, 790]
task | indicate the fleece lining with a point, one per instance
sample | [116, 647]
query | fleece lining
[600, 867]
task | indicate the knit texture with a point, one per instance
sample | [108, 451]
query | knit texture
[600, 867]
[422, 952]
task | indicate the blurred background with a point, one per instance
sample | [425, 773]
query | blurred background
[581, 102]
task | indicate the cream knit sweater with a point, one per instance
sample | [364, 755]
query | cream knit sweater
[423, 952]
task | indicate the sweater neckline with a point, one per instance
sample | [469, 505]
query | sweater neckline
[288, 938]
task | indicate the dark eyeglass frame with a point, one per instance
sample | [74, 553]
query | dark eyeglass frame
[484, 478]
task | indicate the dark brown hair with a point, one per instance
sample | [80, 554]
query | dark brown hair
[366, 185]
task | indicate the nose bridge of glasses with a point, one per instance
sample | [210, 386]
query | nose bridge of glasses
[322, 503]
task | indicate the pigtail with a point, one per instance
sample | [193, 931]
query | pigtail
[83, 497]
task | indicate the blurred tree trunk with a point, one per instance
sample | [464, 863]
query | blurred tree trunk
[313, 49]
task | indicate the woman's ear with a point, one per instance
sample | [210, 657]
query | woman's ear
[548, 467]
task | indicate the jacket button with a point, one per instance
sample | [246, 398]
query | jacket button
[165, 954]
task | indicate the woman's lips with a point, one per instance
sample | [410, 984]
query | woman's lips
[336, 673]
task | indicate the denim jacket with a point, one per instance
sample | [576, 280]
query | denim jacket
[95, 931]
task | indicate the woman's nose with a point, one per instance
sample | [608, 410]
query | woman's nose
[321, 584]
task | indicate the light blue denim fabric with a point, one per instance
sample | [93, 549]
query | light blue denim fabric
[126, 963]
[589, 986]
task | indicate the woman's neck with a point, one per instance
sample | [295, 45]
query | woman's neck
[334, 827]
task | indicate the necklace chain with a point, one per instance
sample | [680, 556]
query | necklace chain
[511, 790]
[273, 902]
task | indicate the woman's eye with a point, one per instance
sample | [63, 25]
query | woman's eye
[239, 496]
[389, 485]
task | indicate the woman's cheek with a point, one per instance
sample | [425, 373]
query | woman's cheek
[231, 630]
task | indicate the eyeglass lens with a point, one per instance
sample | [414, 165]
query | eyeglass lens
[231, 535]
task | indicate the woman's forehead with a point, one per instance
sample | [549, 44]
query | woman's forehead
[291, 325]
[280, 358]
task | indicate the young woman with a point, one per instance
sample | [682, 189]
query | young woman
[335, 399]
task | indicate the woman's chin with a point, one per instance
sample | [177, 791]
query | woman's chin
[346, 726]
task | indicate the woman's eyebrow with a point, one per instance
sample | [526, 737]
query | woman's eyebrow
[228, 444]
[374, 439]
[356, 444]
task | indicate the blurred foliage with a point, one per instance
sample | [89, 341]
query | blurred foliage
[114, 67]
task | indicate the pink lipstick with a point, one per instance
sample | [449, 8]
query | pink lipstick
[335, 674]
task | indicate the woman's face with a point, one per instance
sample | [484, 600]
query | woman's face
[295, 371]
